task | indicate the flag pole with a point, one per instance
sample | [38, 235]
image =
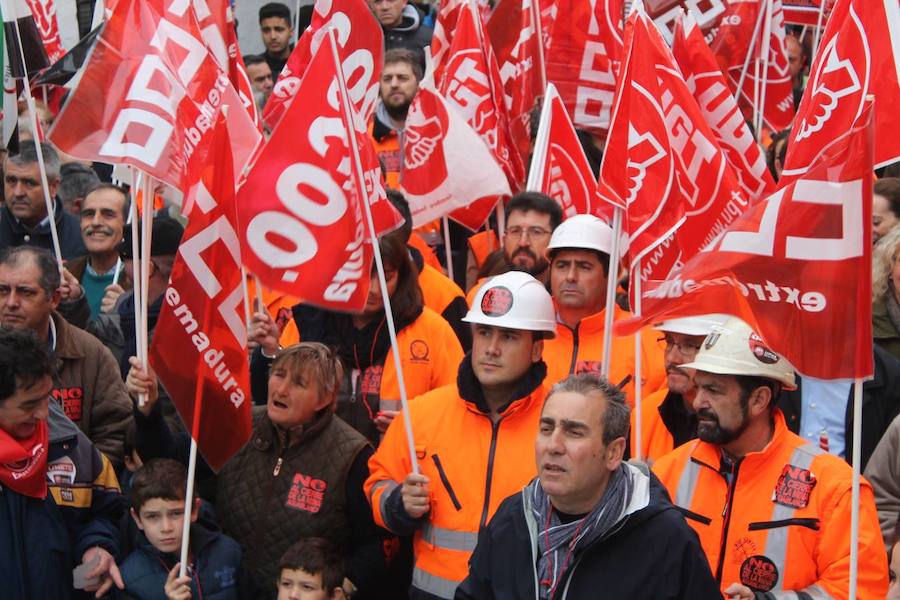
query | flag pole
[382, 282]
[146, 243]
[854, 495]
[746, 67]
[259, 293]
[445, 225]
[765, 49]
[245, 290]
[501, 221]
[636, 282]
[137, 286]
[612, 284]
[538, 33]
[192, 469]
[541, 141]
[818, 31]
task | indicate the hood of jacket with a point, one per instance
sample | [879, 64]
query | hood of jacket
[410, 19]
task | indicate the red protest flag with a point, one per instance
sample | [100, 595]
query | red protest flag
[199, 348]
[559, 167]
[514, 31]
[44, 13]
[159, 87]
[303, 230]
[859, 54]
[583, 58]
[446, 164]
[360, 46]
[797, 266]
[706, 82]
[444, 26]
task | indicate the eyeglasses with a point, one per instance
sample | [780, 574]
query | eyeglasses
[530, 232]
[686, 349]
[27, 182]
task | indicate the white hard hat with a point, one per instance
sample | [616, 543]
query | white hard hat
[514, 300]
[697, 325]
[735, 349]
[583, 232]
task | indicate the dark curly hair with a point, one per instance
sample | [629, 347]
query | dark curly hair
[24, 360]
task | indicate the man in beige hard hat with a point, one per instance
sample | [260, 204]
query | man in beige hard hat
[471, 437]
[772, 510]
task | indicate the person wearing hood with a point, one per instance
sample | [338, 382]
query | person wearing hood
[402, 25]
[588, 521]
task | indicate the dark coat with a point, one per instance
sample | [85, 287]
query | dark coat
[654, 554]
[881, 403]
[14, 233]
[410, 33]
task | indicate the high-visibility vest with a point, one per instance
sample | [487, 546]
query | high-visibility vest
[782, 523]
[656, 439]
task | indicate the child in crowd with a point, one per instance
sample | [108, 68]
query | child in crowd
[151, 571]
[312, 569]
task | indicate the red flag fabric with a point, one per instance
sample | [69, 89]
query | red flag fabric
[360, 46]
[797, 267]
[160, 88]
[514, 31]
[859, 54]
[698, 65]
[444, 26]
[446, 164]
[583, 58]
[471, 84]
[303, 229]
[199, 348]
[44, 12]
[734, 39]
[559, 167]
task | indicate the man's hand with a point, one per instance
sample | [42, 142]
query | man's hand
[737, 591]
[106, 570]
[140, 381]
[110, 297]
[178, 588]
[384, 418]
[69, 288]
[264, 333]
[416, 496]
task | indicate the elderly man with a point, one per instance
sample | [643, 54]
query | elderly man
[772, 510]
[88, 386]
[24, 219]
[588, 522]
[470, 436]
[402, 26]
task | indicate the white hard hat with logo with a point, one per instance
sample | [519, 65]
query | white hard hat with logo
[585, 232]
[735, 349]
[696, 325]
[514, 300]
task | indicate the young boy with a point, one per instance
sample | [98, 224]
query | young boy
[311, 569]
[151, 571]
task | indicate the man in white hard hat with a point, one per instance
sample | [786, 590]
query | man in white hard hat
[579, 266]
[667, 415]
[471, 438]
[772, 510]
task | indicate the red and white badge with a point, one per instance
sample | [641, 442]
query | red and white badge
[794, 487]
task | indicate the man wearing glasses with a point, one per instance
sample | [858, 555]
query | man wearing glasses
[667, 415]
[23, 219]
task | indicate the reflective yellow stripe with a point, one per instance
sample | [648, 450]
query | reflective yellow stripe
[449, 539]
[386, 483]
[389, 404]
[437, 586]
[687, 484]
[106, 479]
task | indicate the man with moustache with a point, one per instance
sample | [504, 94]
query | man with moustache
[772, 510]
[400, 79]
[667, 415]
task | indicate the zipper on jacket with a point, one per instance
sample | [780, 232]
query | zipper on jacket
[801, 522]
[446, 482]
[726, 514]
[495, 428]
[277, 467]
[574, 349]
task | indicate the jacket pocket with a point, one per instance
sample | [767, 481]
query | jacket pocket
[689, 514]
[808, 523]
[446, 482]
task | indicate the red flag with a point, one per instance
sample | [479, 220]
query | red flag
[303, 230]
[159, 88]
[797, 267]
[44, 12]
[559, 167]
[444, 26]
[583, 57]
[859, 54]
[471, 84]
[514, 31]
[445, 164]
[698, 65]
[360, 46]
[199, 345]
[734, 40]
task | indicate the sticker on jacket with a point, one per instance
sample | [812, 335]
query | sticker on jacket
[418, 351]
[759, 573]
[794, 487]
[306, 493]
[70, 400]
[61, 471]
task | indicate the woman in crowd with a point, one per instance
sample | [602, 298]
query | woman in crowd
[886, 292]
[885, 206]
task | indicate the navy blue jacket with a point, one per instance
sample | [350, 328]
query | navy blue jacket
[71, 244]
[216, 559]
[41, 541]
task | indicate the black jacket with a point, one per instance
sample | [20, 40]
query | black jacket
[410, 33]
[881, 403]
[654, 554]
[13, 233]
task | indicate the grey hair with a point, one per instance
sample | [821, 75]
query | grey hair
[46, 263]
[28, 156]
[77, 180]
[884, 255]
[616, 418]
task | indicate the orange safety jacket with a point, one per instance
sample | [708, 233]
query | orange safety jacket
[782, 522]
[581, 349]
[482, 244]
[277, 303]
[656, 439]
[387, 145]
[427, 252]
[472, 465]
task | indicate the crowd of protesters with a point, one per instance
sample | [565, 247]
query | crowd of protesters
[522, 481]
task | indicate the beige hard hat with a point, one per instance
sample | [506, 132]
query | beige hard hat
[733, 348]
[696, 325]
[585, 232]
[514, 300]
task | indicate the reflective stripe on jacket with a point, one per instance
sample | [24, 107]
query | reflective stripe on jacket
[783, 523]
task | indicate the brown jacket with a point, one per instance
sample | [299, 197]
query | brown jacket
[883, 472]
[90, 389]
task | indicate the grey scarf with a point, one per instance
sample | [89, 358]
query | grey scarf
[568, 539]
